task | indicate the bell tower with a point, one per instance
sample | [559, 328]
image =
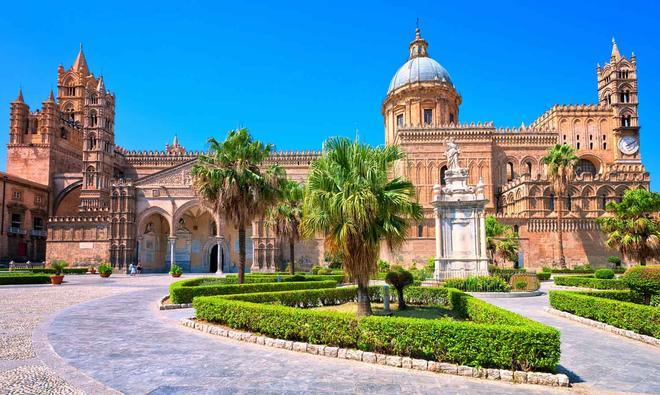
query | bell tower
[617, 89]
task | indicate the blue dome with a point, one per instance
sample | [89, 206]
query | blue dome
[419, 69]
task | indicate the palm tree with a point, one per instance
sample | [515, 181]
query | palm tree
[501, 239]
[560, 161]
[230, 182]
[286, 215]
[632, 226]
[351, 200]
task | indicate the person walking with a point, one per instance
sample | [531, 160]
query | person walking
[139, 268]
[132, 270]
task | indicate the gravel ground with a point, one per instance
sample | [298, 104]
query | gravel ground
[23, 307]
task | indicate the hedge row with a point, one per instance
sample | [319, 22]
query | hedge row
[184, 291]
[23, 278]
[589, 282]
[271, 278]
[492, 338]
[543, 276]
[611, 308]
[67, 270]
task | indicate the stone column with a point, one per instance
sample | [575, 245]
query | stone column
[172, 240]
[139, 244]
[438, 243]
[482, 233]
[219, 240]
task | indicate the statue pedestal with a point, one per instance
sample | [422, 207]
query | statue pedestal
[461, 230]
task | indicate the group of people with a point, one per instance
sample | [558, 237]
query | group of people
[134, 270]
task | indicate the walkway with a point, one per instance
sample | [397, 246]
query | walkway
[592, 358]
[139, 349]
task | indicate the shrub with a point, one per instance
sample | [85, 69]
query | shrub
[273, 277]
[325, 271]
[529, 280]
[66, 270]
[58, 266]
[399, 279]
[543, 276]
[105, 269]
[604, 308]
[315, 269]
[614, 260]
[644, 280]
[504, 273]
[604, 274]
[185, 291]
[383, 266]
[11, 278]
[493, 338]
[547, 269]
[478, 284]
[589, 282]
[176, 270]
[655, 300]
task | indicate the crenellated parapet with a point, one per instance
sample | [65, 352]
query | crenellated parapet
[293, 158]
[440, 132]
[570, 110]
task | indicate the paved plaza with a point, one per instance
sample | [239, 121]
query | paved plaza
[107, 336]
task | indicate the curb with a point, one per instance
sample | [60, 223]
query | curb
[547, 379]
[514, 294]
[606, 327]
[162, 306]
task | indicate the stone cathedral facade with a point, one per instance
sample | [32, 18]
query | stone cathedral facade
[109, 203]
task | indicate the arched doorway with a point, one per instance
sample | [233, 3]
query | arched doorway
[213, 260]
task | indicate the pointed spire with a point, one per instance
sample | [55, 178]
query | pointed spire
[80, 64]
[19, 99]
[175, 142]
[101, 85]
[51, 97]
[615, 50]
[418, 47]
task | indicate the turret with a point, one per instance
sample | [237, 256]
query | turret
[18, 119]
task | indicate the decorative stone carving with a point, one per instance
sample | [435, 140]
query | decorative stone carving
[459, 210]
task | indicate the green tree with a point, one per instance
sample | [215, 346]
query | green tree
[399, 279]
[230, 181]
[285, 216]
[501, 239]
[350, 198]
[632, 226]
[560, 161]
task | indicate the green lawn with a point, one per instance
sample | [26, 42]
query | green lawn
[427, 312]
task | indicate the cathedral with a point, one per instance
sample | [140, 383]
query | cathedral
[95, 201]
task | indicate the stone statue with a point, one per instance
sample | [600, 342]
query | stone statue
[452, 155]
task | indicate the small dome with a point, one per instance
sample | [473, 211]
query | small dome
[419, 69]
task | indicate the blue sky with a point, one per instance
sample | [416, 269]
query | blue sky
[297, 72]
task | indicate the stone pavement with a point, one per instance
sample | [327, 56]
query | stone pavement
[592, 358]
[97, 336]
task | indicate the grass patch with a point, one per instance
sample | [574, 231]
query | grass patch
[426, 312]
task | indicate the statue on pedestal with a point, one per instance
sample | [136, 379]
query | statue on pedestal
[452, 155]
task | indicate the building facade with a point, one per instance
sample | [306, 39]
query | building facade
[108, 203]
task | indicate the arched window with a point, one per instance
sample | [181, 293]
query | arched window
[93, 119]
[93, 99]
[551, 202]
[420, 231]
[90, 176]
[569, 202]
[625, 120]
[91, 141]
[509, 171]
[451, 118]
[585, 166]
[443, 169]
[399, 120]
[602, 202]
[529, 167]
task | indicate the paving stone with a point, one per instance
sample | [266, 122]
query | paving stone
[369, 357]
[299, 346]
[330, 351]
[420, 364]
[355, 355]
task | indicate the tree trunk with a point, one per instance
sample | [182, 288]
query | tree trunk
[364, 305]
[402, 301]
[560, 242]
[292, 254]
[241, 254]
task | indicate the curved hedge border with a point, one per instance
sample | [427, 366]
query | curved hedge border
[184, 291]
[493, 338]
[589, 282]
[613, 308]
[24, 278]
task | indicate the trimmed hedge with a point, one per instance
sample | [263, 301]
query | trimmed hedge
[184, 291]
[543, 276]
[611, 308]
[589, 282]
[23, 278]
[493, 338]
[271, 278]
[478, 284]
[504, 273]
[67, 270]
[604, 274]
